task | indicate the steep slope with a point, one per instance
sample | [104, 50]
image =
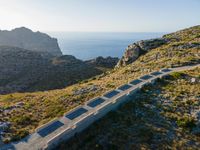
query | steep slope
[27, 39]
[162, 116]
[24, 70]
[41, 107]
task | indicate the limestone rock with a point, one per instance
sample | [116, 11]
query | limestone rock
[27, 39]
[137, 49]
[92, 88]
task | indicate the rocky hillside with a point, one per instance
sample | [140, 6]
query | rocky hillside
[27, 39]
[181, 40]
[24, 70]
[182, 48]
[107, 62]
[161, 116]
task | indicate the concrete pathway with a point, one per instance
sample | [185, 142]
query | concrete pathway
[37, 142]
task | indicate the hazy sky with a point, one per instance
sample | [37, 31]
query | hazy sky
[100, 15]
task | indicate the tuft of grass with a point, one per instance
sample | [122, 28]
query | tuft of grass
[110, 85]
[177, 75]
[19, 135]
[186, 122]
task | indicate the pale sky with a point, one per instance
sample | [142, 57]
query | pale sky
[100, 15]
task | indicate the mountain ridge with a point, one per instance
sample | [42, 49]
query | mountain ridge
[27, 39]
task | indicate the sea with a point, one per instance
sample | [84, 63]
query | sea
[89, 45]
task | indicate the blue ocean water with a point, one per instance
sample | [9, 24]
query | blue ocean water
[88, 45]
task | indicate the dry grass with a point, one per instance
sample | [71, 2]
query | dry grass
[147, 122]
[44, 106]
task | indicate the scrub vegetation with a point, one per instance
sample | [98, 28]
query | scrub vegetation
[161, 116]
[27, 111]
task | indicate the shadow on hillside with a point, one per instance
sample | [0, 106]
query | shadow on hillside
[55, 80]
[11, 146]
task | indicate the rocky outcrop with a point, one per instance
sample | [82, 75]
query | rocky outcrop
[87, 89]
[137, 49]
[24, 70]
[27, 39]
[108, 62]
[174, 43]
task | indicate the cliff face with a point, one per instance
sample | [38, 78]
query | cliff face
[27, 39]
[137, 49]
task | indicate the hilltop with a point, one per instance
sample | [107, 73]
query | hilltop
[182, 48]
[27, 39]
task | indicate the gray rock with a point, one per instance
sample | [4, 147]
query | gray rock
[193, 80]
[187, 46]
[88, 89]
[19, 104]
[137, 49]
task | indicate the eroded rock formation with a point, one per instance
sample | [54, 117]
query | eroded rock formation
[137, 49]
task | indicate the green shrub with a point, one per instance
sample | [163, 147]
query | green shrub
[22, 120]
[186, 122]
[19, 135]
[6, 141]
[110, 85]
[189, 102]
[177, 75]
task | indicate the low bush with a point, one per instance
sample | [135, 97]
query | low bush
[19, 135]
[186, 122]
[177, 75]
[22, 120]
[110, 85]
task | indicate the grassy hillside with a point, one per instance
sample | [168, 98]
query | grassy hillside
[40, 107]
[162, 116]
